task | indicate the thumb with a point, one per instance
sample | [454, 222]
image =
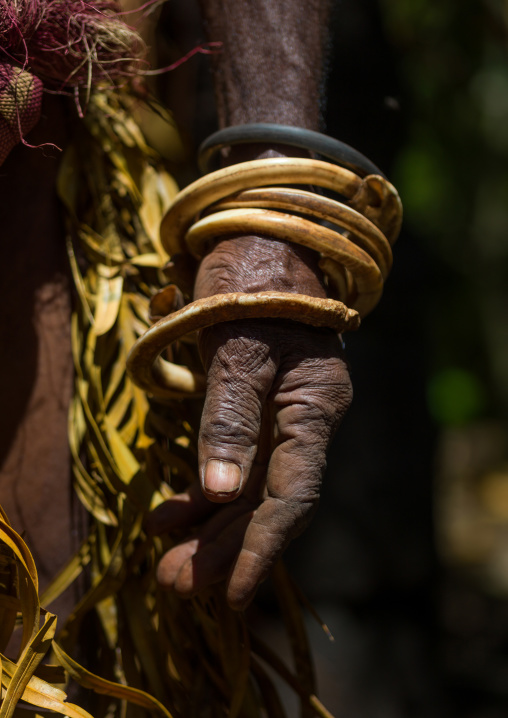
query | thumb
[241, 370]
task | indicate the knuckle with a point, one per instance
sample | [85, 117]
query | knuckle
[235, 354]
[233, 425]
[322, 390]
[242, 351]
[239, 378]
[295, 513]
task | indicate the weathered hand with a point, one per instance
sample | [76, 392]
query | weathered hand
[277, 390]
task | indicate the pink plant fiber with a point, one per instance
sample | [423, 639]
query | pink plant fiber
[70, 43]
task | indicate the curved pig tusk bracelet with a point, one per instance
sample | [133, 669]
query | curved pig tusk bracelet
[276, 225]
[195, 198]
[340, 282]
[365, 234]
[356, 262]
[170, 381]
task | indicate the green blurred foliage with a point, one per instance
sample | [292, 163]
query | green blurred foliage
[455, 397]
[452, 174]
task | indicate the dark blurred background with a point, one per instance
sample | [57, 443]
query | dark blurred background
[407, 559]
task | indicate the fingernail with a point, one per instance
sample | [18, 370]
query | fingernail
[222, 476]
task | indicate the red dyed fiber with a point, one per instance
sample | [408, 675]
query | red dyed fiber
[69, 43]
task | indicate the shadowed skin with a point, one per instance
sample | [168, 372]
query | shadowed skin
[36, 372]
[276, 390]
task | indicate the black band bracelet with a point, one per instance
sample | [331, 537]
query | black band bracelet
[268, 133]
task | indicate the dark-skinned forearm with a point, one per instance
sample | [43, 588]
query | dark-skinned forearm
[271, 65]
[270, 69]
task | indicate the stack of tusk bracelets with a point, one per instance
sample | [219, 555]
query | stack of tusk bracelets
[353, 233]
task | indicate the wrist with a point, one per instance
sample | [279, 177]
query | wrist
[255, 264]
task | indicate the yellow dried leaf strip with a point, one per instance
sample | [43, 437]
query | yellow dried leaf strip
[28, 584]
[106, 581]
[105, 107]
[158, 190]
[30, 658]
[144, 638]
[129, 431]
[87, 486]
[116, 475]
[115, 690]
[9, 602]
[148, 260]
[109, 294]
[115, 379]
[93, 244]
[42, 694]
[69, 573]
[125, 460]
[92, 497]
[78, 280]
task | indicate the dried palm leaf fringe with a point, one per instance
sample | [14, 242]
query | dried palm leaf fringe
[154, 653]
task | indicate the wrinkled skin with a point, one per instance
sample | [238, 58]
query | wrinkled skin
[261, 375]
[277, 390]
